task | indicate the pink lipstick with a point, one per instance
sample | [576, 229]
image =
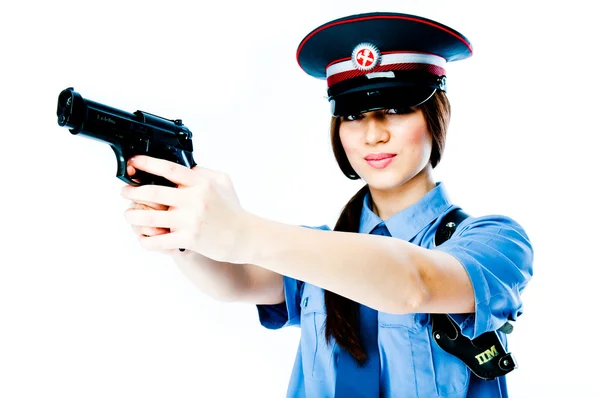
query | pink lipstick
[379, 160]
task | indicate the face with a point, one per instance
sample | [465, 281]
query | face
[386, 148]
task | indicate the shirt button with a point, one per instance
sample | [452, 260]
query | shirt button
[305, 302]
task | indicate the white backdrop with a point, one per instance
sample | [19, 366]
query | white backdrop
[85, 312]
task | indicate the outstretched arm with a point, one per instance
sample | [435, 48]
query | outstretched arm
[382, 272]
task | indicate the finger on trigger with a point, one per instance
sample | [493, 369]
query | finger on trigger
[174, 172]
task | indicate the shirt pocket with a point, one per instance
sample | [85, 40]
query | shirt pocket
[316, 354]
[414, 361]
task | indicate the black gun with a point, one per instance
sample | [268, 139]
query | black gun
[128, 134]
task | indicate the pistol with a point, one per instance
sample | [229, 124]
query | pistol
[128, 134]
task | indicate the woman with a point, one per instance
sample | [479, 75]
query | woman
[362, 300]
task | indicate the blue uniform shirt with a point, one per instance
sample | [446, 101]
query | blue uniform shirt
[497, 255]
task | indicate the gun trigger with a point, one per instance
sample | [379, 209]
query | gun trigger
[128, 180]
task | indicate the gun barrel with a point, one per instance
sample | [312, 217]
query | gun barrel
[113, 126]
[90, 118]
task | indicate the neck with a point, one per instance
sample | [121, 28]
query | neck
[388, 202]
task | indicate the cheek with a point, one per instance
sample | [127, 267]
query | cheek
[417, 139]
[348, 144]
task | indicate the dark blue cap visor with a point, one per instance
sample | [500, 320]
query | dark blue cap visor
[357, 102]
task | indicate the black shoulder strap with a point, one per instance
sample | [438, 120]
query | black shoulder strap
[449, 224]
[485, 355]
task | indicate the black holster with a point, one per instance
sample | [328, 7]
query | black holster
[485, 355]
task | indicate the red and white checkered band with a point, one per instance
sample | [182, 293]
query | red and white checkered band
[344, 70]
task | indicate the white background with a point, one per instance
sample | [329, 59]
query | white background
[85, 312]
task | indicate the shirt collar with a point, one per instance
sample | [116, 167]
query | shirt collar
[408, 222]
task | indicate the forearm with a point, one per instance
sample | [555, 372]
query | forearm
[221, 281]
[377, 271]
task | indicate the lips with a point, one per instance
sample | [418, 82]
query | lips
[380, 160]
[379, 156]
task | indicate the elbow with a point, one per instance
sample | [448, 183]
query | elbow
[223, 295]
[409, 300]
[416, 299]
[405, 283]
[408, 304]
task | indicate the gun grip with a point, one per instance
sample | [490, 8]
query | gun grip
[142, 176]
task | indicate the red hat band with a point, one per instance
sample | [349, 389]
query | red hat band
[367, 61]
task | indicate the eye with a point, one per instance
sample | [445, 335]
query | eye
[352, 117]
[399, 111]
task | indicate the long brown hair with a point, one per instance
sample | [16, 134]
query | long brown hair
[342, 321]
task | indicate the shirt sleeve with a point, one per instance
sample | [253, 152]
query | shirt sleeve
[287, 313]
[498, 256]
[276, 316]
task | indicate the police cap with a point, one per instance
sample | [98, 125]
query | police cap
[380, 60]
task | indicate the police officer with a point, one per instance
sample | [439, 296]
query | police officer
[364, 294]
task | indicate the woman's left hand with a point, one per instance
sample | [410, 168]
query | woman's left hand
[204, 213]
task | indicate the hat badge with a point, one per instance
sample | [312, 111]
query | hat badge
[365, 56]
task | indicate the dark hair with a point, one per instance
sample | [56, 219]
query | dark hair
[342, 321]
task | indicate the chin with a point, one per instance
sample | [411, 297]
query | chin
[385, 181]
[393, 177]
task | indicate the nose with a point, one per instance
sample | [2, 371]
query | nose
[376, 130]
